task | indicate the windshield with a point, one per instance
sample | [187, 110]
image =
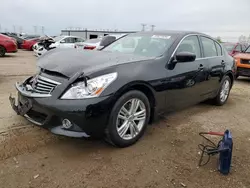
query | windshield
[58, 38]
[142, 44]
[248, 49]
[229, 47]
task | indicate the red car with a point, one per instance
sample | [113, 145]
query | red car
[234, 48]
[28, 44]
[7, 45]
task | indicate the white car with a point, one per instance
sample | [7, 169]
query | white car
[94, 44]
[90, 44]
[59, 42]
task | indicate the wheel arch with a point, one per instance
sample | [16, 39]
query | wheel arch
[231, 76]
[145, 88]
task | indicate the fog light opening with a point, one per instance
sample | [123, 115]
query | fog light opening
[66, 124]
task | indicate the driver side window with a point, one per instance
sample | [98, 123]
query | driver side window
[190, 44]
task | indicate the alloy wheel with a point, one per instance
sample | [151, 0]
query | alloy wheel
[224, 91]
[131, 119]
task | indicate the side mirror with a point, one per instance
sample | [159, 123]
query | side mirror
[184, 57]
[62, 41]
[107, 40]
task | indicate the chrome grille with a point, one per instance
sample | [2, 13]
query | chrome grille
[43, 85]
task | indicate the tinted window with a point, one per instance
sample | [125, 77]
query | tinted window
[69, 40]
[79, 40]
[209, 47]
[238, 48]
[190, 44]
[218, 49]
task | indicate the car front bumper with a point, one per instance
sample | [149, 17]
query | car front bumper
[242, 71]
[88, 117]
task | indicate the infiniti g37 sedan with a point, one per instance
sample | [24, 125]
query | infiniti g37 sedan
[116, 91]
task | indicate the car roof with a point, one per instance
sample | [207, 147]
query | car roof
[70, 36]
[172, 32]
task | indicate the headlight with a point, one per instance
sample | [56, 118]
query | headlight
[94, 87]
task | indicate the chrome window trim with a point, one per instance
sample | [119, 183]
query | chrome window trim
[198, 35]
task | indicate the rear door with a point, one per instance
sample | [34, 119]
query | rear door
[214, 60]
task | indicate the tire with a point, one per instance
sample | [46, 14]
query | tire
[113, 136]
[236, 76]
[2, 51]
[31, 48]
[219, 100]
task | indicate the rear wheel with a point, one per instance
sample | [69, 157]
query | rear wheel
[2, 51]
[224, 91]
[236, 76]
[129, 119]
[31, 48]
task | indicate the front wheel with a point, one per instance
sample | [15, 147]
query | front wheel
[128, 120]
[224, 91]
[2, 51]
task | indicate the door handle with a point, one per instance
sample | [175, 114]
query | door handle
[223, 62]
[201, 67]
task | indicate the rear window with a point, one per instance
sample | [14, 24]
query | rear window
[209, 47]
[218, 48]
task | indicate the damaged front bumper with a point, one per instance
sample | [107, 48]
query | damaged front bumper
[88, 116]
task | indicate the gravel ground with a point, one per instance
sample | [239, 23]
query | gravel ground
[167, 155]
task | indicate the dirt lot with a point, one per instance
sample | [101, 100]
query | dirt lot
[167, 156]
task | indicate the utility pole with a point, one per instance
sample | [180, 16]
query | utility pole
[42, 28]
[20, 29]
[143, 26]
[35, 29]
[152, 27]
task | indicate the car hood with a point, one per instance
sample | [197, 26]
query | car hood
[70, 61]
[243, 56]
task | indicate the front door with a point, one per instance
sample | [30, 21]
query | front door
[185, 82]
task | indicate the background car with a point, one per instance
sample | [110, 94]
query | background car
[243, 63]
[7, 45]
[27, 37]
[66, 41]
[116, 91]
[18, 39]
[97, 43]
[88, 44]
[234, 48]
[56, 42]
[28, 44]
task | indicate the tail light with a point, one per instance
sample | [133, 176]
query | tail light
[89, 47]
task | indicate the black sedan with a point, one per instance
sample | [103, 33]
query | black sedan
[117, 91]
